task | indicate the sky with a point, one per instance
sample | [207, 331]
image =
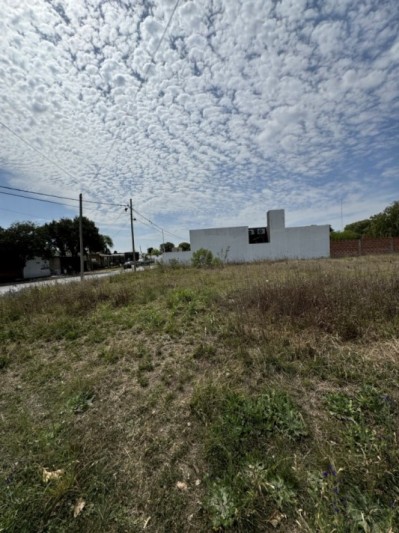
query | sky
[207, 113]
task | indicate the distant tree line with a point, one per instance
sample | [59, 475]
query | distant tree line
[168, 247]
[385, 224]
[26, 240]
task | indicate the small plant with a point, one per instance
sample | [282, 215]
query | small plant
[4, 362]
[202, 258]
[222, 505]
[146, 365]
[204, 351]
[142, 380]
[81, 401]
[109, 355]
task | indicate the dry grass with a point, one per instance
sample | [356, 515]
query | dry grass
[247, 398]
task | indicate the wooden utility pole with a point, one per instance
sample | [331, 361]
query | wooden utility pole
[82, 264]
[131, 227]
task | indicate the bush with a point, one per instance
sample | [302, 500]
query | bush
[344, 235]
[202, 258]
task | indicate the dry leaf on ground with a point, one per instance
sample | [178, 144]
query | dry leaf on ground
[78, 507]
[49, 475]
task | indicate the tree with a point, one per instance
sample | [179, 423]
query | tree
[166, 247]
[63, 237]
[347, 234]
[20, 242]
[108, 243]
[361, 227]
[385, 224]
[185, 246]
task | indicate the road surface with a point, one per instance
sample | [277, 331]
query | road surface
[15, 287]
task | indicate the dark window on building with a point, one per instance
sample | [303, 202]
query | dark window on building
[257, 235]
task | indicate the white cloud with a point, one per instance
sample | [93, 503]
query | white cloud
[247, 105]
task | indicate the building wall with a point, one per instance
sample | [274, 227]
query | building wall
[171, 257]
[36, 268]
[232, 244]
[228, 244]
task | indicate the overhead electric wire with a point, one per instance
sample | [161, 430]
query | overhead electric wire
[37, 199]
[165, 30]
[75, 199]
[36, 150]
[102, 164]
[31, 215]
[61, 197]
[156, 225]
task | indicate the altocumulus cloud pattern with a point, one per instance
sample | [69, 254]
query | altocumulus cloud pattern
[210, 116]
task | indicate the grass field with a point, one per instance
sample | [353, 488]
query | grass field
[248, 398]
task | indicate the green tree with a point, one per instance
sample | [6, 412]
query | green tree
[63, 237]
[166, 247]
[344, 235]
[108, 243]
[361, 227]
[20, 242]
[385, 224]
[185, 246]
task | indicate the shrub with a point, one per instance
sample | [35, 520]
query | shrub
[202, 258]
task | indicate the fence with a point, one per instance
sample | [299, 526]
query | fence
[364, 246]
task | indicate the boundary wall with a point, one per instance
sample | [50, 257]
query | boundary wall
[364, 246]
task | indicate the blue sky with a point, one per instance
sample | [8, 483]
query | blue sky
[206, 118]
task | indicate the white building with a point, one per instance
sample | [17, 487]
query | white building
[243, 244]
[36, 268]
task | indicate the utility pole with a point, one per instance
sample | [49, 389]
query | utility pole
[163, 242]
[342, 216]
[82, 264]
[131, 227]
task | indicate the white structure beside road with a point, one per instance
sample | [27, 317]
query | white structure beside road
[36, 268]
[243, 244]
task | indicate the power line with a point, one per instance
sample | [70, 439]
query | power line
[61, 197]
[25, 214]
[165, 30]
[37, 199]
[105, 158]
[152, 224]
[36, 150]
[69, 205]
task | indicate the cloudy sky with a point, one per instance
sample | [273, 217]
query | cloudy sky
[206, 112]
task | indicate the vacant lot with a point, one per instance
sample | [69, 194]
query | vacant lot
[247, 398]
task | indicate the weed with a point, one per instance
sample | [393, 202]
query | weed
[4, 362]
[222, 505]
[81, 402]
[146, 366]
[202, 258]
[204, 351]
[109, 355]
[142, 380]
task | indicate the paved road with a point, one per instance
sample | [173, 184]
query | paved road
[15, 287]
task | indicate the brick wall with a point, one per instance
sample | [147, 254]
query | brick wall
[365, 246]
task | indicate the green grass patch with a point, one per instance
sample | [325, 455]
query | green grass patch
[252, 398]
